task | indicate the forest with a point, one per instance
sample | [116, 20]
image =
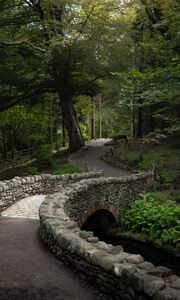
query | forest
[72, 71]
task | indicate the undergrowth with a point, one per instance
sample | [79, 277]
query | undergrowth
[154, 216]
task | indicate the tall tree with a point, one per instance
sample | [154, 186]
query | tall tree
[58, 46]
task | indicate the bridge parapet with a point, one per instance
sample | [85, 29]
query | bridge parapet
[114, 194]
[120, 274]
[21, 187]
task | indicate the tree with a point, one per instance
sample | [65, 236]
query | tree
[63, 47]
[150, 86]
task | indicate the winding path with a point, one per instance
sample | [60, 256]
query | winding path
[91, 158]
[27, 270]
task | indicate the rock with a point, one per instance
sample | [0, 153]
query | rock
[119, 268]
[71, 225]
[167, 294]
[160, 271]
[92, 239]
[86, 234]
[107, 262]
[176, 284]
[135, 259]
[152, 284]
[96, 256]
[146, 265]
[136, 280]
[73, 245]
[102, 245]
[116, 249]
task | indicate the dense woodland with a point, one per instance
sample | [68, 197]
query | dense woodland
[71, 71]
[75, 70]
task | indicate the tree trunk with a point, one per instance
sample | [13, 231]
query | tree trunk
[5, 150]
[12, 144]
[63, 135]
[100, 118]
[139, 125]
[93, 121]
[76, 141]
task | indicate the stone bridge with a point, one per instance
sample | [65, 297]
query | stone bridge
[75, 199]
[112, 195]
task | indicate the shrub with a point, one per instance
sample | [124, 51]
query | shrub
[148, 159]
[154, 217]
[66, 170]
[44, 156]
[31, 171]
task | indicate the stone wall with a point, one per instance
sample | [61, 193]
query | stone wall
[113, 194]
[121, 275]
[20, 187]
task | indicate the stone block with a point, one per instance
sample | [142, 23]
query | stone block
[160, 271]
[176, 284]
[146, 265]
[152, 284]
[167, 294]
[116, 249]
[118, 268]
[92, 239]
[135, 259]
[85, 234]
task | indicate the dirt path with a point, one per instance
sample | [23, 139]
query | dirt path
[92, 158]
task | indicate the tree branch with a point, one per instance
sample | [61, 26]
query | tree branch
[4, 44]
[154, 17]
[14, 100]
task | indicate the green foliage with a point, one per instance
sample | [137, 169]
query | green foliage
[157, 153]
[66, 169]
[154, 216]
[44, 156]
[84, 130]
[148, 159]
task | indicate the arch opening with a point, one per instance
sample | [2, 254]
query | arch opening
[100, 222]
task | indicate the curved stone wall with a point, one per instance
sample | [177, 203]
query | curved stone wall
[121, 275]
[113, 194]
[21, 187]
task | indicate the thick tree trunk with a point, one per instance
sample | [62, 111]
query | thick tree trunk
[76, 141]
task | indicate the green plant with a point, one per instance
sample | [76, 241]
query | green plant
[154, 216]
[148, 159]
[84, 129]
[44, 156]
[66, 170]
[31, 171]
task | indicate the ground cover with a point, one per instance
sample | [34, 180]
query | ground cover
[155, 216]
[55, 166]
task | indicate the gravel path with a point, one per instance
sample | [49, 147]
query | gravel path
[25, 208]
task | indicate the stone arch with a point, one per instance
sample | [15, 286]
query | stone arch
[100, 221]
[98, 207]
